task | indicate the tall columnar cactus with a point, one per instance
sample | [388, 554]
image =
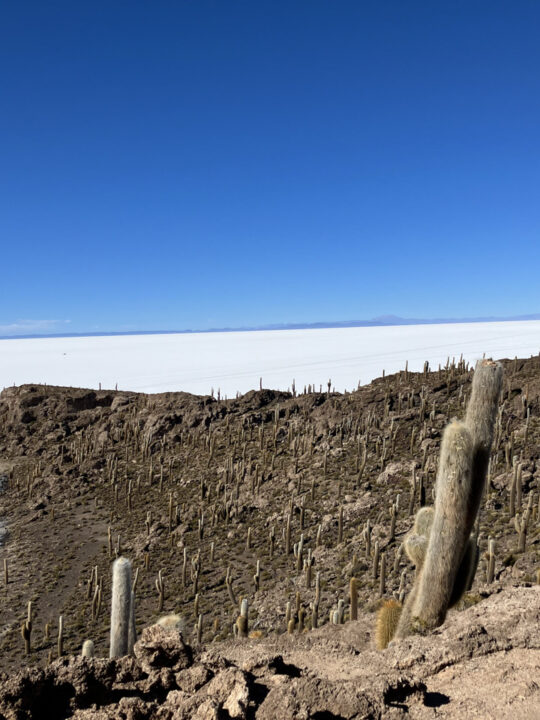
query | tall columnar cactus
[428, 602]
[60, 640]
[353, 596]
[132, 632]
[121, 617]
[26, 631]
[480, 420]
[440, 545]
[416, 543]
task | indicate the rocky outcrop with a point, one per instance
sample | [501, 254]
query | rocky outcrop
[484, 662]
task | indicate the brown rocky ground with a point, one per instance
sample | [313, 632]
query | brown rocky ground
[154, 469]
[484, 662]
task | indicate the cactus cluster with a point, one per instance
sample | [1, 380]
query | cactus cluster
[440, 545]
[261, 502]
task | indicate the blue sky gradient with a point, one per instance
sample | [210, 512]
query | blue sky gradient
[197, 163]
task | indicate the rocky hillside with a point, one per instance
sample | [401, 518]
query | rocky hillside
[271, 497]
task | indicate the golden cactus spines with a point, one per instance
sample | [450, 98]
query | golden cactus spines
[387, 622]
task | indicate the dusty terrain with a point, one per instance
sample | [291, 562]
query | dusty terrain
[176, 476]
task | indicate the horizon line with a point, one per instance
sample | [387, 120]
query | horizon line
[381, 321]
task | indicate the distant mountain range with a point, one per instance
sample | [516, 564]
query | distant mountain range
[381, 320]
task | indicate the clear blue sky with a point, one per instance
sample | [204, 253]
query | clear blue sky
[196, 164]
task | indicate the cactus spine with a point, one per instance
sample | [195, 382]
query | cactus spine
[121, 616]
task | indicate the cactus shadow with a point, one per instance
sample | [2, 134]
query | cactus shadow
[280, 667]
[435, 699]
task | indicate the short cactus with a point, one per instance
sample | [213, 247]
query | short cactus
[242, 620]
[242, 626]
[387, 621]
[88, 650]
[173, 622]
[416, 547]
[423, 521]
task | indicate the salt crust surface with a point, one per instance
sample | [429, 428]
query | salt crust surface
[234, 361]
